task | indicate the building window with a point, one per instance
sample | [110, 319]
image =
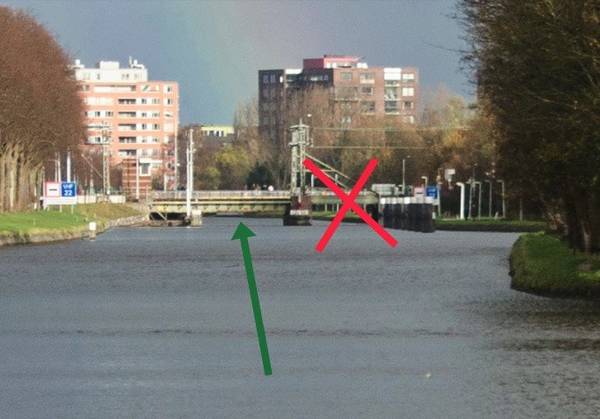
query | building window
[169, 101]
[144, 101]
[409, 119]
[346, 76]
[408, 77]
[273, 78]
[391, 93]
[409, 105]
[265, 78]
[408, 91]
[346, 120]
[126, 101]
[109, 113]
[168, 88]
[367, 77]
[366, 90]
[367, 106]
[144, 169]
[127, 140]
[155, 114]
[391, 106]
[155, 126]
[156, 101]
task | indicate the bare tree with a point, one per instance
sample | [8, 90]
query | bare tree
[41, 113]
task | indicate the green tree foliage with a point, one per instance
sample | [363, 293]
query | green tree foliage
[233, 164]
[537, 64]
[259, 175]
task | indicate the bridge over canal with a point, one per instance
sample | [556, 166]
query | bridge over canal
[172, 205]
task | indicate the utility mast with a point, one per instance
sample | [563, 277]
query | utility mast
[189, 174]
[300, 140]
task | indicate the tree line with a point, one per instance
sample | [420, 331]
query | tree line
[536, 65]
[40, 111]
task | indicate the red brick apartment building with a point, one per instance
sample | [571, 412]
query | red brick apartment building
[390, 92]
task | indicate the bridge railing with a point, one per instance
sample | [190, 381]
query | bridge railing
[181, 195]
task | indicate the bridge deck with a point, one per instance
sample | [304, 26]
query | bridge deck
[244, 201]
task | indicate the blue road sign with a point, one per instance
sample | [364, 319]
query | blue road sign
[431, 192]
[68, 189]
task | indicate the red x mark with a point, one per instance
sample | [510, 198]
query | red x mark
[348, 204]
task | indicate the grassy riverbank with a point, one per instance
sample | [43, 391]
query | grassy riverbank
[24, 227]
[543, 264]
[490, 224]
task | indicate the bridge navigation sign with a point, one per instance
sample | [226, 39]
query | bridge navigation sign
[432, 192]
[60, 193]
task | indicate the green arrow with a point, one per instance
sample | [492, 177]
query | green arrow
[242, 233]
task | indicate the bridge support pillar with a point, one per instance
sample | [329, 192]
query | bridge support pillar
[196, 219]
[299, 212]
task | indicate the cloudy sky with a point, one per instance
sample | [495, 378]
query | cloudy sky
[214, 48]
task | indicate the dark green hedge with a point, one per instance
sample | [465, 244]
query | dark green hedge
[543, 264]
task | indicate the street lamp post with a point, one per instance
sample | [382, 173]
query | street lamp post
[106, 135]
[189, 175]
[470, 182]
[69, 166]
[462, 200]
[503, 194]
[404, 174]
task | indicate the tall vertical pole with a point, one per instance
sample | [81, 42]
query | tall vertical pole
[56, 170]
[503, 194]
[176, 176]
[490, 199]
[105, 170]
[479, 200]
[471, 182]
[59, 168]
[69, 166]
[303, 140]
[137, 175]
[190, 174]
[439, 197]
[403, 176]
[462, 200]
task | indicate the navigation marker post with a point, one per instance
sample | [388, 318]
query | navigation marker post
[242, 233]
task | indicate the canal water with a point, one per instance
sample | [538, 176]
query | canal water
[157, 323]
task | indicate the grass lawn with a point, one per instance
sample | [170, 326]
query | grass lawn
[490, 224]
[543, 264]
[27, 223]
